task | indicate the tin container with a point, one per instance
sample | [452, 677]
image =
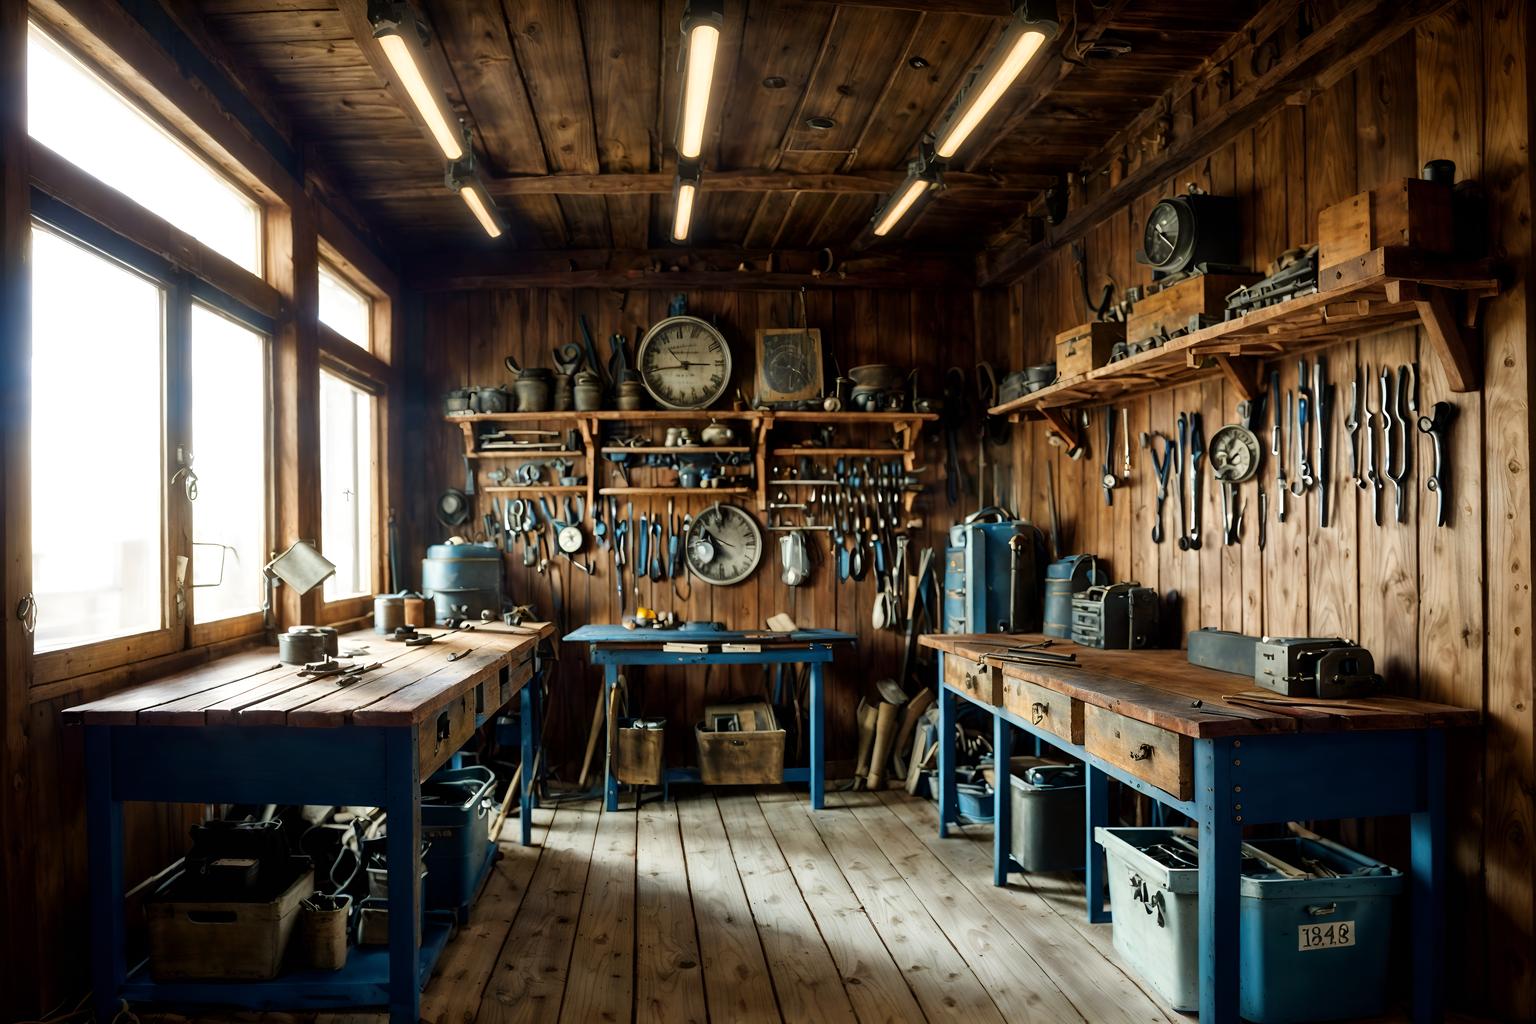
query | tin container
[301, 645]
[463, 580]
[388, 613]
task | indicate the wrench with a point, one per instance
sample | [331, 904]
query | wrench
[1303, 431]
[1399, 475]
[1181, 456]
[1438, 426]
[1371, 476]
[1323, 417]
[1196, 456]
[1160, 469]
[1352, 424]
[1280, 484]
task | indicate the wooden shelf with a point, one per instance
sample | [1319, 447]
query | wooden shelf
[675, 491]
[536, 489]
[676, 415]
[568, 416]
[879, 453]
[844, 417]
[522, 453]
[1381, 290]
[686, 450]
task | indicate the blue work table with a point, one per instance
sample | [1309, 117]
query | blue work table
[247, 730]
[1155, 723]
[614, 647]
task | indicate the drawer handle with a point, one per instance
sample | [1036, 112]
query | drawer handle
[444, 728]
[1323, 909]
[1153, 903]
[1142, 752]
[1038, 712]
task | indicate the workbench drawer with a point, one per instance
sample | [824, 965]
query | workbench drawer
[445, 731]
[1041, 706]
[514, 679]
[1163, 758]
[980, 681]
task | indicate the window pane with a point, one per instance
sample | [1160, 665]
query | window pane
[346, 482]
[229, 451]
[343, 308]
[97, 548]
[77, 115]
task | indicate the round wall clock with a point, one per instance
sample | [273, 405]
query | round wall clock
[724, 545]
[685, 363]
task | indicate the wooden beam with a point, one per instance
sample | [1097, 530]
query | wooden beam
[1351, 37]
[983, 8]
[1444, 334]
[631, 184]
[681, 268]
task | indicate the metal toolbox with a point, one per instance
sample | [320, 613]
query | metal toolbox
[1048, 815]
[1064, 579]
[992, 580]
[456, 806]
[1120, 616]
[1222, 650]
[1313, 947]
[1314, 667]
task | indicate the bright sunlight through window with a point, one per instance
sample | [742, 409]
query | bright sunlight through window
[344, 309]
[346, 484]
[77, 115]
[97, 561]
[229, 449]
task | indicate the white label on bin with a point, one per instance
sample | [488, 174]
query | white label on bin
[1325, 936]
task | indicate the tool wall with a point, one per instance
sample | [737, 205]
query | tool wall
[1421, 596]
[468, 336]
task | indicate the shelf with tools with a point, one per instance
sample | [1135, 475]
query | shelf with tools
[679, 492]
[527, 453]
[1380, 290]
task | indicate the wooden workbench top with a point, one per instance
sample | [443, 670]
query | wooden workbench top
[606, 634]
[252, 688]
[1161, 688]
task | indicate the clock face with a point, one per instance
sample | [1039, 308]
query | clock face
[724, 545]
[1162, 234]
[684, 363]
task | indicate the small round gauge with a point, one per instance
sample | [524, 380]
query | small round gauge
[724, 545]
[570, 538]
[1167, 237]
[1235, 453]
[685, 363]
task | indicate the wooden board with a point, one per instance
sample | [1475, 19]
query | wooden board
[1163, 758]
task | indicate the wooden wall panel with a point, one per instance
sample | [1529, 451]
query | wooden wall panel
[1447, 612]
[468, 335]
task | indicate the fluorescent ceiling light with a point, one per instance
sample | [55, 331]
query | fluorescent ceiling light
[479, 203]
[915, 187]
[701, 24]
[400, 37]
[1018, 47]
[682, 219]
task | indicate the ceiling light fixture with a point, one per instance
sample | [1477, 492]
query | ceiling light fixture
[685, 193]
[403, 38]
[1021, 41]
[923, 175]
[702, 24]
[461, 177]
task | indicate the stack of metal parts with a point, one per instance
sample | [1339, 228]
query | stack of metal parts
[1291, 275]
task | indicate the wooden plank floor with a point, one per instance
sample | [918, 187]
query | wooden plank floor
[744, 906]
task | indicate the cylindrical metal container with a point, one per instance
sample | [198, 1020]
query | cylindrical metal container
[332, 639]
[301, 645]
[388, 613]
[462, 579]
[418, 611]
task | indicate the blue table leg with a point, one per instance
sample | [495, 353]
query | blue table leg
[818, 715]
[947, 752]
[403, 806]
[1097, 796]
[105, 824]
[1427, 832]
[610, 784]
[1002, 799]
[540, 766]
[1221, 837]
[525, 797]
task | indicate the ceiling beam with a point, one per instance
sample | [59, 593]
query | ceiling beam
[735, 269]
[986, 8]
[1333, 49]
[623, 184]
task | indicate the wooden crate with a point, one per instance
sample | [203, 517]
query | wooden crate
[1407, 212]
[750, 756]
[1170, 310]
[222, 939]
[637, 756]
[1086, 347]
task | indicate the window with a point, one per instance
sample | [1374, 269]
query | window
[347, 519]
[229, 448]
[344, 309]
[98, 450]
[79, 116]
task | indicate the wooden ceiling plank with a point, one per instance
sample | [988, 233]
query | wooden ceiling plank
[1357, 32]
[623, 66]
[987, 8]
[773, 47]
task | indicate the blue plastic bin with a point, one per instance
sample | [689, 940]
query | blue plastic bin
[1311, 949]
[456, 805]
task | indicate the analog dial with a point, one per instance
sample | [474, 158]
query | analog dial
[724, 545]
[1165, 229]
[1235, 453]
[684, 363]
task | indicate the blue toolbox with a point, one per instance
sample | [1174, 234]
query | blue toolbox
[1065, 578]
[992, 581]
[456, 805]
[1315, 923]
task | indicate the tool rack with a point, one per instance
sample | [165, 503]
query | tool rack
[1379, 291]
[904, 425]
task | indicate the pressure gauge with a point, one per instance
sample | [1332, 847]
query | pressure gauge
[724, 545]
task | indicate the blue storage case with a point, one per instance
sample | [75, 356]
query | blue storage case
[456, 805]
[992, 585]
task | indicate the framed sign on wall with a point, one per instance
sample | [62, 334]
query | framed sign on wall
[788, 364]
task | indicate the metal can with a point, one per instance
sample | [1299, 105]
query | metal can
[301, 645]
[388, 613]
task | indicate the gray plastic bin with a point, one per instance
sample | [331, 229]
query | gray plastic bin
[1311, 949]
[1048, 815]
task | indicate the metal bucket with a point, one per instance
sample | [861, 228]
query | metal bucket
[463, 580]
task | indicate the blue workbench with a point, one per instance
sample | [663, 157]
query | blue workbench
[1248, 767]
[614, 647]
[247, 730]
